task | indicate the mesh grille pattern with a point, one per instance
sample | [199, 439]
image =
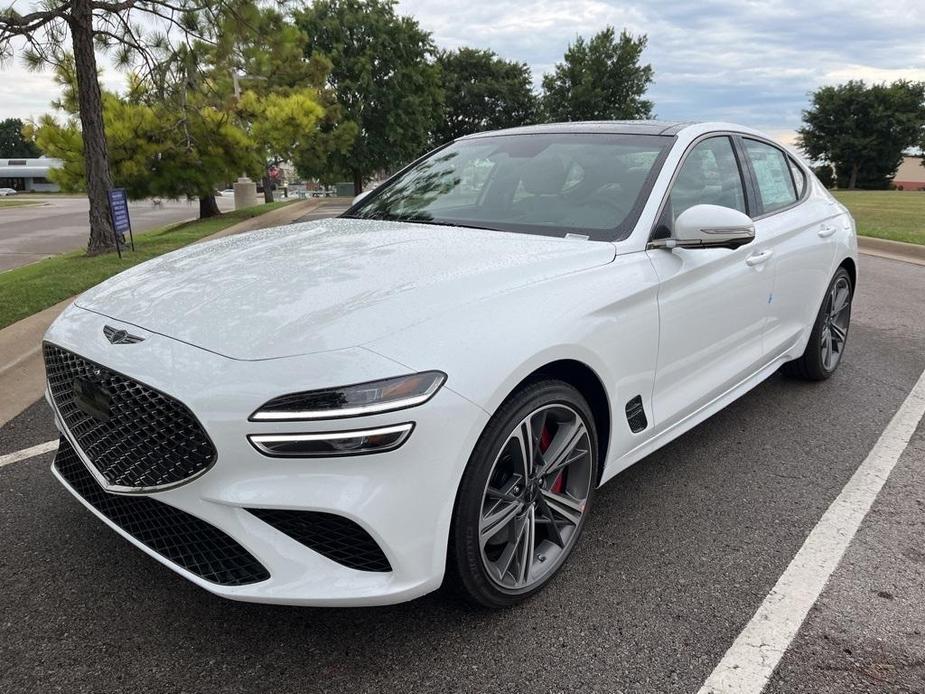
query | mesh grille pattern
[134, 435]
[333, 536]
[197, 546]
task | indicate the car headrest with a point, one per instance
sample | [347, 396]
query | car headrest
[544, 176]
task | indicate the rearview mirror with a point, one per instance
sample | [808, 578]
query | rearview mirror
[711, 226]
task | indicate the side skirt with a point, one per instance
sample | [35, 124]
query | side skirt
[652, 444]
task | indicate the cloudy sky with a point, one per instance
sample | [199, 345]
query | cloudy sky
[747, 61]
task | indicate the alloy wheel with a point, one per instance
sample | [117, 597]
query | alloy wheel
[534, 501]
[836, 316]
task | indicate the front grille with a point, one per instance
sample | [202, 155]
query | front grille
[333, 536]
[187, 541]
[134, 435]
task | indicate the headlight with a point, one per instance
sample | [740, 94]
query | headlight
[353, 401]
[335, 443]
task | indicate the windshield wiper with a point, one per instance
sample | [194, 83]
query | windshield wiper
[442, 223]
[382, 215]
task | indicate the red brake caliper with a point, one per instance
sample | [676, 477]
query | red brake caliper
[545, 440]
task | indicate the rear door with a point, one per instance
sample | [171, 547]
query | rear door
[712, 301]
[797, 227]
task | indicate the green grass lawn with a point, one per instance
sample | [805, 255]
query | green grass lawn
[16, 202]
[32, 288]
[887, 214]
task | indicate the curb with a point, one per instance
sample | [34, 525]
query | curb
[22, 372]
[894, 250]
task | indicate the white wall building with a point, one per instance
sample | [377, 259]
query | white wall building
[28, 175]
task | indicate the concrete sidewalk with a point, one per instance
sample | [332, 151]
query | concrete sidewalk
[22, 373]
[894, 250]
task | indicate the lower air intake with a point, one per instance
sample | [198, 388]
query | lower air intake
[187, 541]
[335, 537]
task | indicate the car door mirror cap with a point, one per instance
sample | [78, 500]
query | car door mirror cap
[709, 226]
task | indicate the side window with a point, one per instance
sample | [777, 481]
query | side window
[799, 178]
[709, 176]
[772, 172]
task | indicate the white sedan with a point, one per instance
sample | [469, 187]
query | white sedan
[7, 191]
[430, 388]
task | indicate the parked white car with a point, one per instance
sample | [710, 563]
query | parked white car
[7, 191]
[430, 388]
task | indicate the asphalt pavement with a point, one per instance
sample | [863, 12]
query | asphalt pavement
[678, 554]
[61, 223]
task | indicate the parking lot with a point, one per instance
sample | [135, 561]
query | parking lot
[58, 223]
[679, 553]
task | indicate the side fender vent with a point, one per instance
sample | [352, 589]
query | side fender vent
[636, 415]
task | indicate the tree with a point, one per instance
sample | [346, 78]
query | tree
[115, 25]
[287, 127]
[155, 148]
[482, 92]
[862, 131]
[600, 79]
[13, 144]
[384, 78]
[826, 175]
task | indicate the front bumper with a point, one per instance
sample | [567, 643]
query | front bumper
[403, 498]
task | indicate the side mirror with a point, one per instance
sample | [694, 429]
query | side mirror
[711, 226]
[360, 196]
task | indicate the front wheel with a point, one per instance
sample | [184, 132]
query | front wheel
[829, 336]
[524, 496]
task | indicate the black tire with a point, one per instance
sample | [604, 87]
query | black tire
[467, 573]
[811, 366]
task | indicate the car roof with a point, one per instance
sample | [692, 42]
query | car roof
[622, 127]
[625, 127]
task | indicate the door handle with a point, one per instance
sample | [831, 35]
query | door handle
[826, 231]
[758, 258]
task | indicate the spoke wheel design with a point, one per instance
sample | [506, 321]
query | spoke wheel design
[836, 315]
[535, 498]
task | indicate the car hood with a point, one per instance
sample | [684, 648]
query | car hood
[328, 284]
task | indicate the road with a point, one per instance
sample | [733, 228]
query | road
[60, 223]
[680, 551]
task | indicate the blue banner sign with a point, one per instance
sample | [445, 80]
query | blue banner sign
[118, 205]
[118, 209]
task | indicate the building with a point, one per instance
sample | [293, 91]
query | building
[28, 175]
[911, 174]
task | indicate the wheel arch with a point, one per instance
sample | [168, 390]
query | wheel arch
[586, 380]
[852, 269]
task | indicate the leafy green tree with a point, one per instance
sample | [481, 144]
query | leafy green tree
[12, 142]
[384, 77]
[863, 130]
[258, 68]
[131, 31]
[287, 127]
[155, 149]
[482, 92]
[826, 175]
[600, 79]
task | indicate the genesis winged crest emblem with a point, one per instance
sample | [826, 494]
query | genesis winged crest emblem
[120, 337]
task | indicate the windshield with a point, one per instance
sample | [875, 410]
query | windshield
[552, 184]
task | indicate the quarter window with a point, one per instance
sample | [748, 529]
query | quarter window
[799, 178]
[772, 174]
[709, 176]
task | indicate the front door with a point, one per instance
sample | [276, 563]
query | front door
[713, 302]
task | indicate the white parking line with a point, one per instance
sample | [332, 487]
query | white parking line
[753, 657]
[28, 452]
